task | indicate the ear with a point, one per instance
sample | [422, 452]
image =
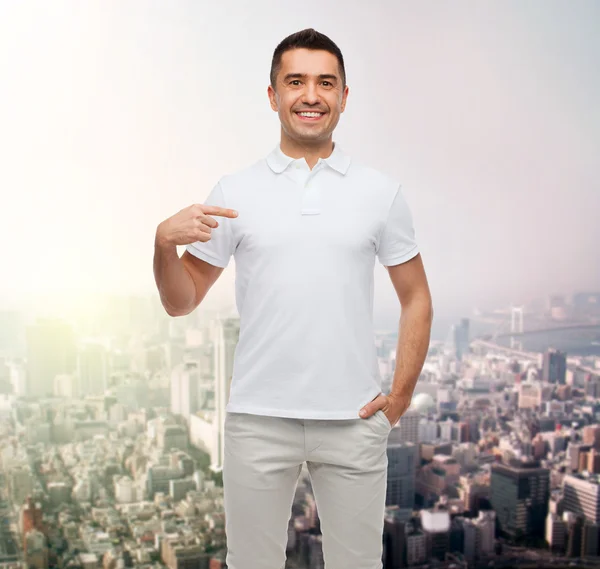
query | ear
[272, 98]
[345, 97]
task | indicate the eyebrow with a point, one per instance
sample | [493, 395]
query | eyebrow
[304, 75]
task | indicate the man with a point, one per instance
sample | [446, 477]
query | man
[305, 226]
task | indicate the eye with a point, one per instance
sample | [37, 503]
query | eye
[295, 81]
[327, 83]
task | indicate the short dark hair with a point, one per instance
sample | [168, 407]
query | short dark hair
[306, 39]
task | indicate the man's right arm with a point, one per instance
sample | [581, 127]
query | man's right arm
[182, 282]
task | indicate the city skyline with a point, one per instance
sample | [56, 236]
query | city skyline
[118, 448]
[129, 113]
[114, 416]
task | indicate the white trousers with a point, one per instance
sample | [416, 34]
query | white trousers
[347, 462]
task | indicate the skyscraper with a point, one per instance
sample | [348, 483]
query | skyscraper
[582, 496]
[461, 338]
[436, 527]
[50, 351]
[402, 458]
[224, 333]
[554, 367]
[407, 429]
[185, 383]
[92, 369]
[519, 495]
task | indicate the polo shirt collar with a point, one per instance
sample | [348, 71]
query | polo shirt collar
[338, 160]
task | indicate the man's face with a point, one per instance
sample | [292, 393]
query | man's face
[308, 81]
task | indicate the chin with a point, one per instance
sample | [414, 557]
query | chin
[312, 134]
[311, 139]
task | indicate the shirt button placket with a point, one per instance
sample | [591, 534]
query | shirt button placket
[311, 204]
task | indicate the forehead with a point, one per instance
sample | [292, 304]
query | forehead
[309, 61]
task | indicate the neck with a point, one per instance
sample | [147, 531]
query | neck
[311, 152]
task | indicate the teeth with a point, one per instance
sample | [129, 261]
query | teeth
[310, 114]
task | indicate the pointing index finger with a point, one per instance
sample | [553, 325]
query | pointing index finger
[221, 211]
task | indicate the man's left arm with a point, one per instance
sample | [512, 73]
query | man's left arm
[410, 281]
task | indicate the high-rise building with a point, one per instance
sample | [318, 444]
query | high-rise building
[486, 530]
[225, 333]
[473, 489]
[554, 367]
[590, 546]
[159, 477]
[407, 429]
[36, 550]
[530, 395]
[519, 495]
[461, 338]
[593, 462]
[591, 436]
[574, 534]
[555, 532]
[478, 536]
[574, 453]
[184, 552]
[394, 541]
[171, 437]
[31, 517]
[185, 387]
[470, 541]
[92, 369]
[429, 449]
[179, 488]
[20, 483]
[402, 464]
[416, 547]
[50, 351]
[436, 527]
[125, 490]
[428, 430]
[582, 496]
[446, 429]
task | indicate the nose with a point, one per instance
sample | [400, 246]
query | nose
[310, 94]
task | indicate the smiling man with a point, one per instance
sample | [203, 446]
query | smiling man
[305, 226]
[309, 105]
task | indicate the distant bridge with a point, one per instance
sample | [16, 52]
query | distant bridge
[572, 362]
[505, 349]
[562, 328]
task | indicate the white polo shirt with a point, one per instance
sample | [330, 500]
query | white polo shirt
[305, 244]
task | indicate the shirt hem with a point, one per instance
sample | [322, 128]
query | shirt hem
[298, 414]
[391, 261]
[201, 255]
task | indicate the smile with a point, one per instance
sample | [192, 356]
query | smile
[310, 116]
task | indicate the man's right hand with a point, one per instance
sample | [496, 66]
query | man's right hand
[191, 224]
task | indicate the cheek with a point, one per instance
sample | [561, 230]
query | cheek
[286, 108]
[335, 105]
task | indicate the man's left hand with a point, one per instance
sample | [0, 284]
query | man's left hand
[393, 407]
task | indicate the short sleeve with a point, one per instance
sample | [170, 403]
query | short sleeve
[219, 249]
[397, 240]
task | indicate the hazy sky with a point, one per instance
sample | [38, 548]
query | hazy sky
[115, 115]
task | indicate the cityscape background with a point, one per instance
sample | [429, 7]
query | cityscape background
[116, 115]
